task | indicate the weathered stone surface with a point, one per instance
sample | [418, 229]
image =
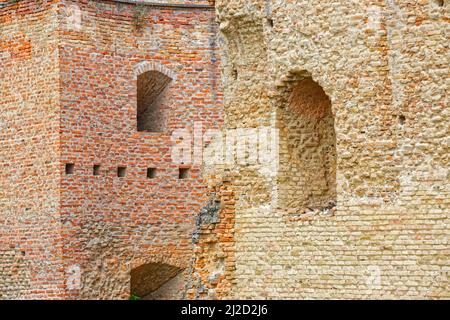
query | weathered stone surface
[357, 205]
[384, 232]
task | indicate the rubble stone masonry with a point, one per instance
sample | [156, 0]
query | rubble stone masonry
[359, 204]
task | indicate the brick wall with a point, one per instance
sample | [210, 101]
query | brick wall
[87, 200]
[69, 94]
[30, 242]
[115, 224]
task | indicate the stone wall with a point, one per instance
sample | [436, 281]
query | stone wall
[384, 67]
[356, 205]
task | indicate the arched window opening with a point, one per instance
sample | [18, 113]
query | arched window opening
[151, 105]
[157, 281]
[308, 157]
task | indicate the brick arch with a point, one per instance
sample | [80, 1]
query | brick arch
[146, 66]
[308, 131]
[296, 74]
[163, 257]
[157, 276]
[153, 82]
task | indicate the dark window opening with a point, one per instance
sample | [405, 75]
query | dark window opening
[183, 173]
[151, 102]
[151, 173]
[70, 168]
[234, 74]
[121, 172]
[96, 170]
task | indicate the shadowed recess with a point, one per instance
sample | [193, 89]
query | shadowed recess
[148, 278]
[151, 86]
[309, 171]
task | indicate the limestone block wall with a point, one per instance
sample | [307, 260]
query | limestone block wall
[384, 67]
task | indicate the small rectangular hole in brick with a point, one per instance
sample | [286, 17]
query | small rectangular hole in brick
[121, 172]
[183, 173]
[151, 173]
[96, 170]
[70, 168]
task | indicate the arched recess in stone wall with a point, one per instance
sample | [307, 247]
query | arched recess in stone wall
[158, 278]
[307, 171]
[153, 80]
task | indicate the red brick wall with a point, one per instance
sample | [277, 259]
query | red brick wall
[30, 243]
[110, 224]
